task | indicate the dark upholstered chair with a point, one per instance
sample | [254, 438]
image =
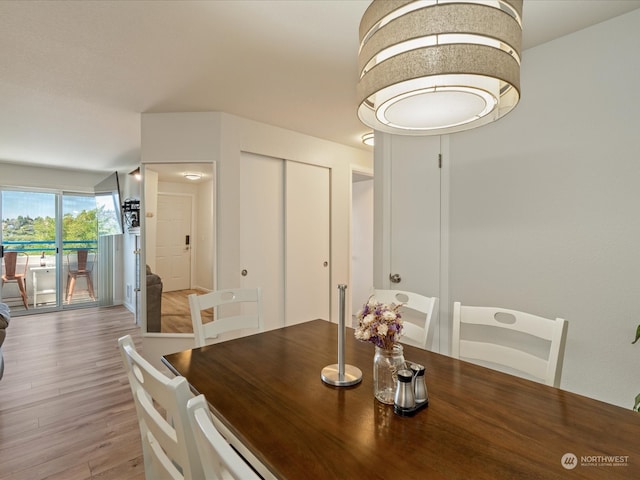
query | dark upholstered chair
[4, 323]
[154, 301]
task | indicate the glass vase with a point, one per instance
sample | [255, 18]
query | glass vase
[386, 363]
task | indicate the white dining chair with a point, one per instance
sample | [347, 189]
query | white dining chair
[511, 341]
[416, 328]
[219, 460]
[168, 443]
[221, 324]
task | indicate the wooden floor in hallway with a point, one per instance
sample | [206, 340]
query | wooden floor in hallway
[66, 410]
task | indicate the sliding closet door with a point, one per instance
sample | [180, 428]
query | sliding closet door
[307, 220]
[262, 232]
[284, 237]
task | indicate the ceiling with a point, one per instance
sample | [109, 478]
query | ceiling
[75, 76]
[175, 173]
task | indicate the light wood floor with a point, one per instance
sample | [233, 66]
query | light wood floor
[66, 410]
[176, 316]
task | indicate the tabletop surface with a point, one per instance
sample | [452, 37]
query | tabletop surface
[480, 423]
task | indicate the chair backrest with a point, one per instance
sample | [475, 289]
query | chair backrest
[420, 333]
[11, 264]
[512, 341]
[203, 331]
[81, 261]
[219, 460]
[168, 447]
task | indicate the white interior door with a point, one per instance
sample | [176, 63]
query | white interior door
[415, 214]
[262, 232]
[307, 214]
[173, 241]
[408, 171]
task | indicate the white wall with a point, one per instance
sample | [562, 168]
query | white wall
[49, 178]
[130, 189]
[219, 137]
[206, 240]
[545, 204]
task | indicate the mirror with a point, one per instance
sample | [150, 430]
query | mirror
[178, 247]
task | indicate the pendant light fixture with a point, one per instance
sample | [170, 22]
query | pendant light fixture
[432, 67]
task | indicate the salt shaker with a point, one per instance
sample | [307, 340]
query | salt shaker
[404, 397]
[419, 385]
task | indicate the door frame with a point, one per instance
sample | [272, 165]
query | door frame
[368, 172]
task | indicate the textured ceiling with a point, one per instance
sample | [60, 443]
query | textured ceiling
[75, 76]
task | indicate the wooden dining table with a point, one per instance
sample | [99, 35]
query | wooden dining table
[268, 399]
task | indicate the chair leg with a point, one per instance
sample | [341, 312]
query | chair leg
[71, 283]
[23, 292]
[90, 287]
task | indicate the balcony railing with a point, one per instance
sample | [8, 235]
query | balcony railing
[48, 246]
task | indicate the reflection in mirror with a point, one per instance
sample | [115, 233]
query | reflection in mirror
[178, 228]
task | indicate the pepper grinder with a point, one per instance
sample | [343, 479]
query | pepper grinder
[404, 398]
[419, 384]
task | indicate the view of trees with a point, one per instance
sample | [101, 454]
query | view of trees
[84, 219]
[81, 227]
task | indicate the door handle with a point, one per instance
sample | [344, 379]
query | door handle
[395, 278]
[244, 272]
